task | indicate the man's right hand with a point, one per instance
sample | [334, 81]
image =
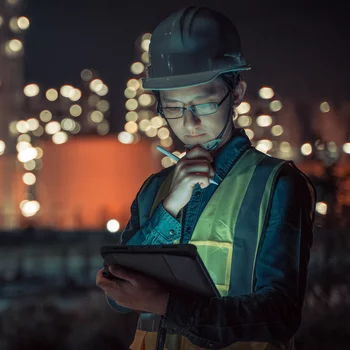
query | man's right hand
[195, 167]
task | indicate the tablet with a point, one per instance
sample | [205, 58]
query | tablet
[177, 266]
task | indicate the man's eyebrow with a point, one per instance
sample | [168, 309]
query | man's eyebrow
[203, 95]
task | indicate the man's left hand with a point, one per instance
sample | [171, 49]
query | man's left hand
[135, 291]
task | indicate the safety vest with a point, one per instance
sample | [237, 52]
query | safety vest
[228, 233]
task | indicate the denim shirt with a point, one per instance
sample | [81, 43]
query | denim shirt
[273, 311]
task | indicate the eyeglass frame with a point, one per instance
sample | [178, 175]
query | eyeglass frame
[218, 104]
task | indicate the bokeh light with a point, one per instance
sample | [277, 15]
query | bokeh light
[31, 90]
[45, 116]
[75, 110]
[266, 92]
[52, 94]
[264, 120]
[125, 137]
[29, 179]
[243, 108]
[113, 226]
[86, 74]
[306, 149]
[23, 23]
[250, 133]
[264, 145]
[346, 147]
[275, 106]
[324, 107]
[52, 127]
[60, 138]
[137, 68]
[321, 208]
[2, 147]
[277, 130]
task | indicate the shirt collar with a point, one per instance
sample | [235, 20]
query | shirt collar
[226, 156]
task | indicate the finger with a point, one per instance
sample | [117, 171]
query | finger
[103, 282]
[202, 179]
[195, 166]
[199, 152]
[124, 273]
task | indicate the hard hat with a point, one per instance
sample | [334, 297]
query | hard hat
[191, 47]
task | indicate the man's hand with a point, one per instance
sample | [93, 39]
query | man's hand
[135, 292]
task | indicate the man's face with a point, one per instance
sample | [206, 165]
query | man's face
[196, 130]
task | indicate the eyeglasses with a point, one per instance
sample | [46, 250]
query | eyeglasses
[200, 110]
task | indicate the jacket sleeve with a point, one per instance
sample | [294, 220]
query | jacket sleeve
[160, 228]
[273, 311]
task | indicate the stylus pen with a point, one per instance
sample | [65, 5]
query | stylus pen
[173, 157]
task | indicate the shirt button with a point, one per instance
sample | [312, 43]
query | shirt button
[171, 232]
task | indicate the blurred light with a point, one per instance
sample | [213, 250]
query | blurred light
[275, 106]
[285, 147]
[131, 127]
[22, 145]
[75, 110]
[125, 137]
[96, 116]
[29, 179]
[31, 90]
[332, 147]
[266, 93]
[77, 128]
[137, 138]
[93, 100]
[52, 128]
[321, 208]
[145, 100]
[22, 126]
[133, 83]
[264, 120]
[144, 124]
[21, 205]
[264, 145]
[103, 128]
[250, 133]
[346, 147]
[277, 130]
[60, 137]
[167, 162]
[103, 91]
[13, 2]
[145, 57]
[24, 138]
[167, 142]
[30, 208]
[13, 48]
[45, 116]
[68, 124]
[1, 21]
[113, 226]
[38, 132]
[131, 104]
[145, 45]
[86, 74]
[103, 106]
[30, 165]
[96, 84]
[157, 122]
[324, 107]
[2, 147]
[75, 95]
[163, 133]
[13, 128]
[52, 95]
[15, 45]
[145, 114]
[243, 108]
[38, 164]
[40, 152]
[146, 36]
[23, 23]
[33, 124]
[306, 149]
[67, 91]
[13, 24]
[151, 131]
[131, 116]
[27, 154]
[244, 121]
[137, 68]
[130, 92]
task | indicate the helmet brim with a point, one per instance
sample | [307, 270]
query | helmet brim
[184, 81]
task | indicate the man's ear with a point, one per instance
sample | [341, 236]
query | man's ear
[239, 93]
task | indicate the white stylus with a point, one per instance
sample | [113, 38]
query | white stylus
[173, 157]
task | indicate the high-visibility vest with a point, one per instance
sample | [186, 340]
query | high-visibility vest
[228, 233]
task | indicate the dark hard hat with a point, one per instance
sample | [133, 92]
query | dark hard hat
[192, 47]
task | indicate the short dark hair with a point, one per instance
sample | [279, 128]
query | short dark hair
[230, 79]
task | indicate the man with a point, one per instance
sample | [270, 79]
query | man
[253, 231]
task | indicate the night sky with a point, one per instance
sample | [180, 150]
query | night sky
[300, 50]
